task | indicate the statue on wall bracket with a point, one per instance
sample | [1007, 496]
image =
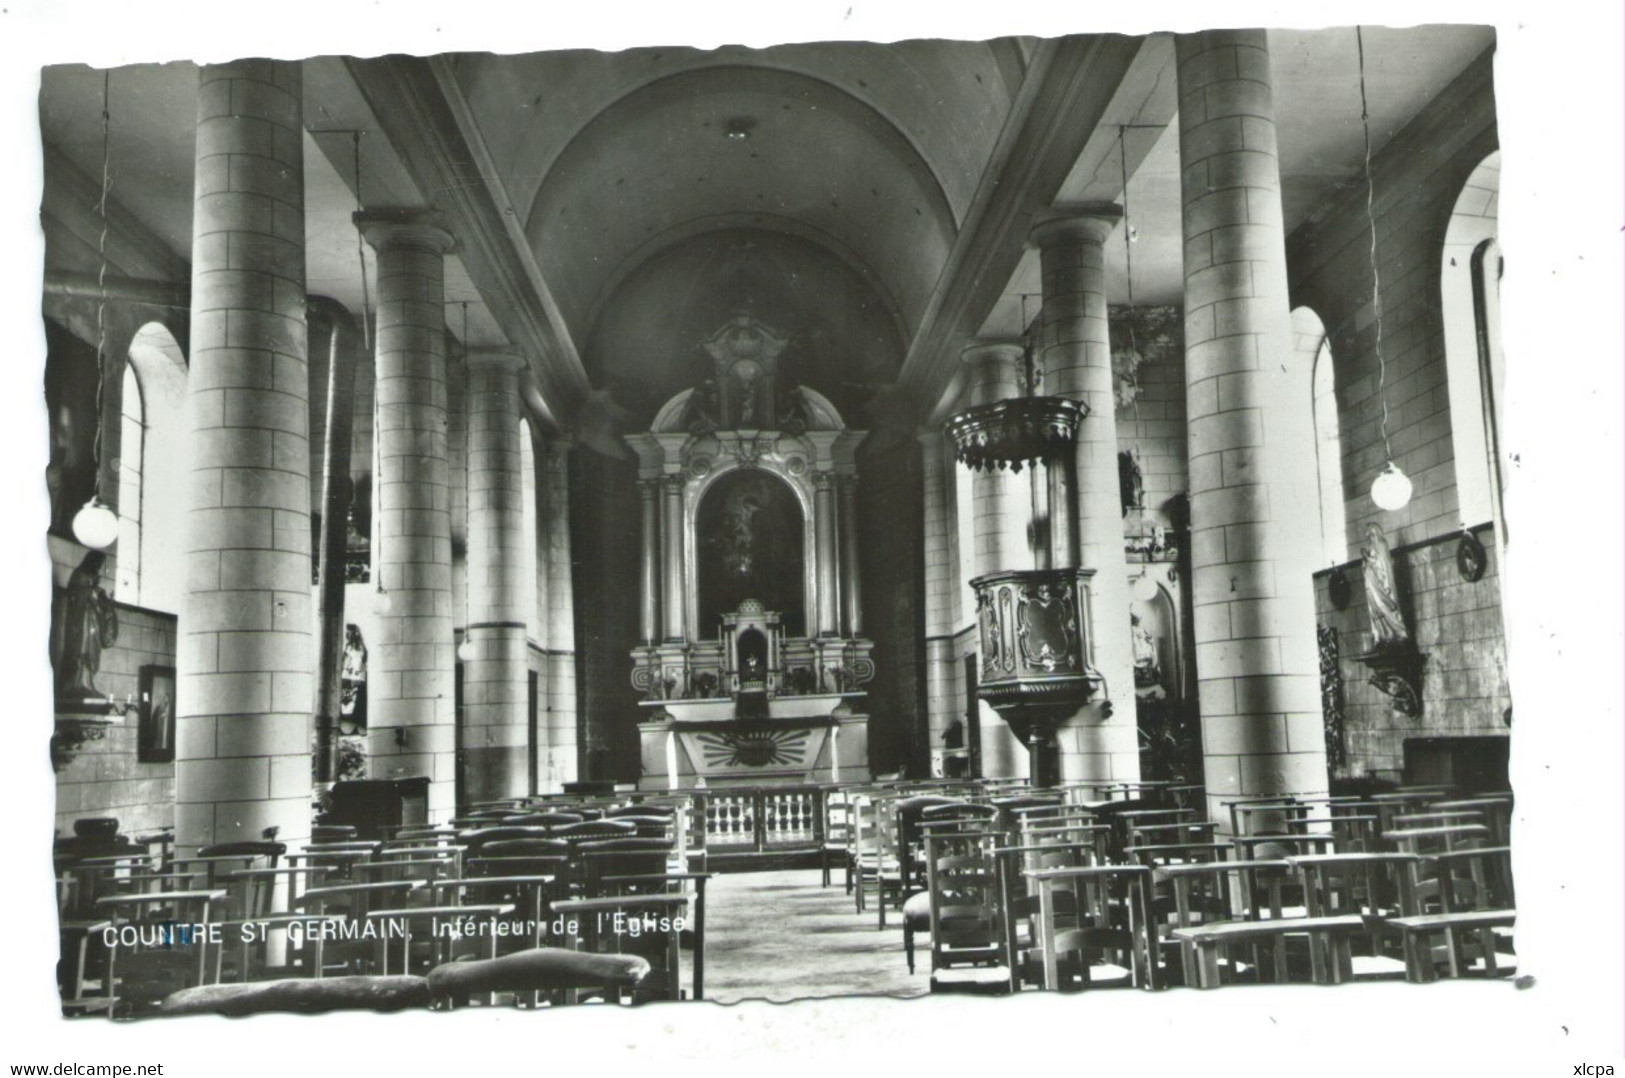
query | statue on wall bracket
[1394, 661]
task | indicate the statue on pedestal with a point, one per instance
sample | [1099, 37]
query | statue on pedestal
[1381, 596]
[89, 624]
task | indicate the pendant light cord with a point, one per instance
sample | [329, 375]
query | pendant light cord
[1371, 221]
[360, 244]
[1128, 271]
[101, 286]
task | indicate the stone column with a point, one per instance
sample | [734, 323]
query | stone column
[244, 657]
[828, 606]
[1002, 498]
[412, 724]
[496, 728]
[1251, 554]
[851, 597]
[941, 579]
[649, 565]
[1001, 513]
[671, 532]
[1102, 741]
[561, 761]
[340, 340]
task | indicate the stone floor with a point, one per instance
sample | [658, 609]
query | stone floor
[780, 936]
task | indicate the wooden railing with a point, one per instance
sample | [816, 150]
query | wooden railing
[762, 819]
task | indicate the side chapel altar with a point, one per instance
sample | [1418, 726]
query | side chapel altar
[753, 658]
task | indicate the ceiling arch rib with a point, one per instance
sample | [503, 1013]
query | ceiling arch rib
[842, 339]
[948, 97]
[727, 222]
[702, 144]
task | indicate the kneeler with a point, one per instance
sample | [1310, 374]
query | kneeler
[301, 996]
[540, 969]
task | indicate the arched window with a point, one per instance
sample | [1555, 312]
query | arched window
[153, 477]
[535, 612]
[1469, 299]
[1329, 459]
[1313, 351]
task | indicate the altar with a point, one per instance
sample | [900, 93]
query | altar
[753, 660]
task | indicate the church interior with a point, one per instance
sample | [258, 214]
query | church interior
[1030, 508]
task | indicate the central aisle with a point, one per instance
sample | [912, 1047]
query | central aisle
[780, 936]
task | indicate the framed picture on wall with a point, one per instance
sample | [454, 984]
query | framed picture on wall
[155, 740]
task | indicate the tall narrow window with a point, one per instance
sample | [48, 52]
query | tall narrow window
[1329, 460]
[1468, 301]
[535, 614]
[153, 473]
[1315, 377]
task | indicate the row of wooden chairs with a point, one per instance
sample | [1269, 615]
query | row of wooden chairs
[394, 905]
[1043, 891]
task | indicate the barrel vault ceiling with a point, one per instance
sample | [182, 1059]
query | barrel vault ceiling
[612, 208]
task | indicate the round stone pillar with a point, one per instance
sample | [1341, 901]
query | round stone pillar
[649, 563]
[851, 596]
[333, 327]
[412, 727]
[1002, 500]
[941, 579]
[561, 760]
[1251, 530]
[671, 532]
[496, 728]
[1001, 519]
[244, 657]
[826, 555]
[1102, 741]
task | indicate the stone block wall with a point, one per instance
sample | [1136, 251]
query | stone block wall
[892, 563]
[105, 778]
[1418, 176]
[1455, 623]
[1152, 424]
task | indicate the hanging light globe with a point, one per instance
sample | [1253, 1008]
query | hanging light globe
[96, 525]
[381, 602]
[1391, 490]
[465, 650]
[1144, 588]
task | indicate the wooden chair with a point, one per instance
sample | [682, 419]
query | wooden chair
[1179, 832]
[1114, 919]
[874, 861]
[1207, 892]
[1022, 908]
[691, 936]
[648, 926]
[969, 938]
[1471, 908]
[593, 830]
[835, 847]
[1372, 886]
[1248, 813]
[351, 903]
[592, 861]
[264, 901]
[161, 945]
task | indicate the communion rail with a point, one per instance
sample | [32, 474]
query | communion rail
[762, 819]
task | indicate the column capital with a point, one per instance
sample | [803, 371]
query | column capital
[409, 228]
[1076, 222]
[327, 310]
[986, 350]
[673, 484]
[494, 359]
[557, 444]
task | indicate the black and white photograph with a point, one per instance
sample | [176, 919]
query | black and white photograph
[1037, 535]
